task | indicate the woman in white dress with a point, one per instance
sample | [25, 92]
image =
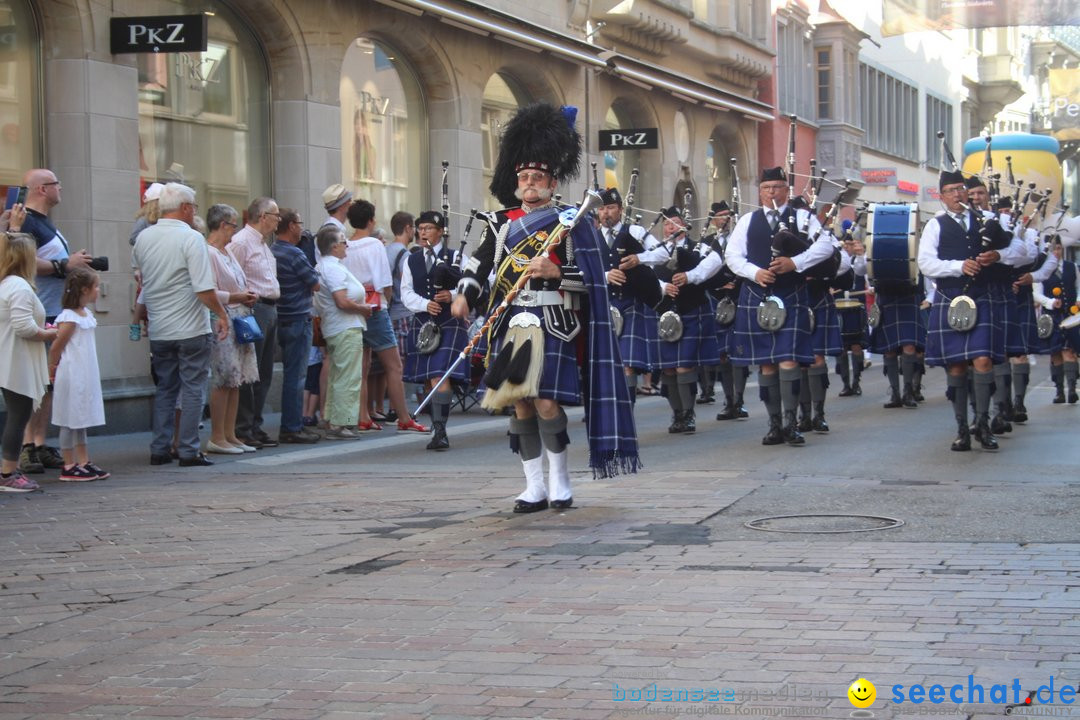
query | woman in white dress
[231, 364]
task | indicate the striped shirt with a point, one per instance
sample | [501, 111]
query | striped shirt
[297, 278]
[255, 259]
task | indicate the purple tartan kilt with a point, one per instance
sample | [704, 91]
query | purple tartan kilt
[637, 343]
[853, 326]
[560, 379]
[1025, 318]
[826, 338]
[423, 367]
[1007, 320]
[402, 328]
[945, 346]
[698, 345]
[749, 344]
[901, 324]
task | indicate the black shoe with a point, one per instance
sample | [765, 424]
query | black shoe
[894, 402]
[846, 391]
[562, 504]
[1059, 397]
[804, 424]
[439, 440]
[520, 506]
[1019, 411]
[962, 443]
[856, 389]
[1073, 397]
[775, 436]
[295, 438]
[50, 457]
[728, 413]
[29, 462]
[792, 436]
[908, 400]
[678, 425]
[999, 425]
[689, 422]
[707, 398]
[160, 459]
[263, 439]
[984, 436]
[916, 392]
[250, 442]
[818, 424]
[740, 410]
[199, 460]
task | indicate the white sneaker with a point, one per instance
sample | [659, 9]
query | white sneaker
[245, 448]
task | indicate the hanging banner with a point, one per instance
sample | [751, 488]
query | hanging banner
[904, 16]
[1065, 104]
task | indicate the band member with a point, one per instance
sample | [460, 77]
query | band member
[852, 311]
[428, 286]
[1000, 277]
[954, 249]
[1058, 296]
[1037, 271]
[900, 335]
[732, 376]
[825, 338]
[684, 274]
[634, 291]
[770, 279]
[560, 315]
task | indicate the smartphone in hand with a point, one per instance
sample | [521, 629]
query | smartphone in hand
[16, 195]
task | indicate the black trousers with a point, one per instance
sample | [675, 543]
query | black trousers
[19, 408]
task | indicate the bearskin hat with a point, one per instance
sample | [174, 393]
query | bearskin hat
[539, 136]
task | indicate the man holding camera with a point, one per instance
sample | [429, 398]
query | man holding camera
[54, 257]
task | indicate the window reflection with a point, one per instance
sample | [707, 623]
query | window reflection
[502, 98]
[203, 116]
[20, 143]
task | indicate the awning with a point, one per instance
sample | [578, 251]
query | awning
[487, 22]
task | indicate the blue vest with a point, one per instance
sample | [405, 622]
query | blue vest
[423, 283]
[613, 258]
[759, 245]
[1068, 284]
[955, 244]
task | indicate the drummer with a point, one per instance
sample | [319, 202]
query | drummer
[952, 251]
[852, 311]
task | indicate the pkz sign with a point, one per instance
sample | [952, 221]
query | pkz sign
[158, 33]
[635, 139]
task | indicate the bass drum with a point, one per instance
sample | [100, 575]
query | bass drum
[892, 246]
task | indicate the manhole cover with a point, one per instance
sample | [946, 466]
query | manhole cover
[824, 523]
[341, 511]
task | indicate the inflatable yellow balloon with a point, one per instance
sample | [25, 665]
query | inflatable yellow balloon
[1034, 160]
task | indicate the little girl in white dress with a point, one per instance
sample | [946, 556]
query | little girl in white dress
[73, 367]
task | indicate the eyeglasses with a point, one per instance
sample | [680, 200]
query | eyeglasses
[297, 222]
[54, 182]
[230, 224]
[955, 190]
[773, 188]
[274, 214]
[531, 176]
[194, 206]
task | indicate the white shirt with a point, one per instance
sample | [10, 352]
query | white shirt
[366, 259]
[412, 300]
[250, 250]
[735, 255]
[334, 276]
[175, 264]
[932, 266]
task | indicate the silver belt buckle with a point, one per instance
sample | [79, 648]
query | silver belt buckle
[526, 298]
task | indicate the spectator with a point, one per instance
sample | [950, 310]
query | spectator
[313, 392]
[336, 199]
[342, 310]
[73, 370]
[231, 363]
[148, 212]
[402, 225]
[178, 287]
[250, 249]
[366, 258]
[24, 372]
[53, 259]
[298, 280]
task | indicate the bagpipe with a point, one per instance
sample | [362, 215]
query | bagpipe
[446, 273]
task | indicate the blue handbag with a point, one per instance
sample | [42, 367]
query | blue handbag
[246, 329]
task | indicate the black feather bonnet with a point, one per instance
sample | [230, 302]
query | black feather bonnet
[539, 136]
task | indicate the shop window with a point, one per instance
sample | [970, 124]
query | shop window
[204, 116]
[384, 131]
[20, 93]
[717, 170]
[502, 98]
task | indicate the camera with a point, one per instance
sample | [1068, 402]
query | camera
[101, 264]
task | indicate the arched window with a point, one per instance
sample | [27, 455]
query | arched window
[20, 92]
[384, 130]
[718, 168]
[502, 98]
[204, 116]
